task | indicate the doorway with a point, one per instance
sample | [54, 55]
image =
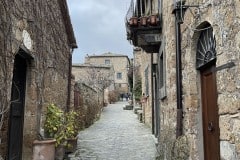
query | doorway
[210, 116]
[16, 117]
[206, 64]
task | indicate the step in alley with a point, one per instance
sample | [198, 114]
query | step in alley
[118, 135]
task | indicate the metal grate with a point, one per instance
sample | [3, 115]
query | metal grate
[206, 48]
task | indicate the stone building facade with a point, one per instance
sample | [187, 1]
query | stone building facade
[142, 67]
[35, 57]
[202, 109]
[88, 103]
[98, 77]
[120, 64]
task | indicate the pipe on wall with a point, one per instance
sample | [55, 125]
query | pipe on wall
[178, 22]
[69, 81]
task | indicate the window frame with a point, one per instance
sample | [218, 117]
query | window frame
[107, 61]
[119, 77]
[162, 71]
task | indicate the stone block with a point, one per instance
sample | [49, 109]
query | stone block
[228, 150]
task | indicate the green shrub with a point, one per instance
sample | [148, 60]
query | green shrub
[137, 90]
[60, 125]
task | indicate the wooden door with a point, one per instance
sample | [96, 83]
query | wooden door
[17, 109]
[210, 114]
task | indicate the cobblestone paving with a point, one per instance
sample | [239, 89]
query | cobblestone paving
[118, 135]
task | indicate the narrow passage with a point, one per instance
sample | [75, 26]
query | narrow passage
[118, 135]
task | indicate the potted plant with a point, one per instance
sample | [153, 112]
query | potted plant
[133, 21]
[143, 20]
[153, 20]
[54, 128]
[71, 130]
[45, 147]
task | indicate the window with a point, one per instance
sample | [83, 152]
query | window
[162, 71]
[119, 75]
[107, 61]
[206, 48]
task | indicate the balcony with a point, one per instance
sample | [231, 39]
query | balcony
[143, 24]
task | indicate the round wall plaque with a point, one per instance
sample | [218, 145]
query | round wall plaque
[27, 41]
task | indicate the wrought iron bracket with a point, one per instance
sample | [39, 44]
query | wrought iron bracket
[179, 10]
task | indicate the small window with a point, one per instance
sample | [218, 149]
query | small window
[119, 75]
[162, 71]
[107, 61]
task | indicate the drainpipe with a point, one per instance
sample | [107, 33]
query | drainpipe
[69, 81]
[178, 21]
[152, 91]
[179, 11]
[179, 80]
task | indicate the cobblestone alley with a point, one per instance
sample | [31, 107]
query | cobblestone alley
[118, 135]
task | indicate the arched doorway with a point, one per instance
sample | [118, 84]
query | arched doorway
[206, 64]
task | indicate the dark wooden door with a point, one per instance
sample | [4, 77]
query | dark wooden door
[210, 114]
[17, 109]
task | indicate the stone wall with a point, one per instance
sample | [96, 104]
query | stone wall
[47, 69]
[142, 66]
[88, 103]
[224, 18]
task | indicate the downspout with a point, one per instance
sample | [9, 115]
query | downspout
[179, 79]
[69, 80]
[152, 91]
[177, 12]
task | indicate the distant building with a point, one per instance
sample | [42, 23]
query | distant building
[120, 64]
[99, 77]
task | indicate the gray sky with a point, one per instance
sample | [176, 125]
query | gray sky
[99, 27]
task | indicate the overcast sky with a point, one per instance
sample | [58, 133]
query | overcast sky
[99, 27]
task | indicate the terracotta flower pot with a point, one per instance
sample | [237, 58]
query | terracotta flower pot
[60, 152]
[71, 145]
[44, 149]
[133, 21]
[153, 20]
[143, 21]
